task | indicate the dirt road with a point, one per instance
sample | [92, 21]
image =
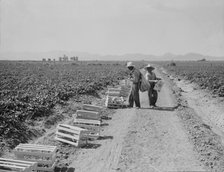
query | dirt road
[141, 140]
[106, 152]
[157, 140]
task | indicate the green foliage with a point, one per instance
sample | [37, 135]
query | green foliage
[31, 90]
[208, 75]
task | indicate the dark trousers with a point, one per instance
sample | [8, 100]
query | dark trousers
[153, 96]
[134, 96]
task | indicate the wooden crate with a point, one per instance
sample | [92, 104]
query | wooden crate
[46, 167]
[92, 108]
[125, 82]
[71, 135]
[116, 106]
[44, 155]
[125, 91]
[87, 121]
[112, 105]
[91, 125]
[10, 165]
[114, 89]
[116, 86]
[93, 130]
[84, 114]
[113, 93]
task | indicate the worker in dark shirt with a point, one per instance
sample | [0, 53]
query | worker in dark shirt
[135, 78]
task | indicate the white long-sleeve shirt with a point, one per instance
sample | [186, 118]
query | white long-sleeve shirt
[150, 76]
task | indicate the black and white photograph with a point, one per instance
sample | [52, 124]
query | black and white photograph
[111, 85]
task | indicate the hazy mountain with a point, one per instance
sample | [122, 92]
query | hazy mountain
[130, 57]
[188, 57]
[89, 56]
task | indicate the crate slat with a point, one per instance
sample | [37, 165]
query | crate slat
[58, 133]
[36, 147]
[70, 134]
[17, 152]
[47, 162]
[114, 89]
[93, 131]
[67, 141]
[74, 133]
[50, 169]
[71, 127]
[113, 93]
[87, 121]
[17, 165]
[92, 107]
[13, 167]
[37, 153]
[125, 82]
[84, 114]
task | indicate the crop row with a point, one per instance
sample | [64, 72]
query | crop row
[208, 75]
[31, 90]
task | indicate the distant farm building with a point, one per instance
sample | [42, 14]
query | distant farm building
[75, 58]
[64, 58]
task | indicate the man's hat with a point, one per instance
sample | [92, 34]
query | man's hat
[149, 66]
[130, 64]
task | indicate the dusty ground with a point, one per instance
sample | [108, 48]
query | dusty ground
[142, 140]
[157, 141]
[172, 137]
[208, 107]
[201, 113]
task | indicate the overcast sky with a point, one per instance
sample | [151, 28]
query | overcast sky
[113, 26]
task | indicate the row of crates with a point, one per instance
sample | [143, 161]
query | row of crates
[41, 158]
[86, 124]
[116, 96]
[30, 158]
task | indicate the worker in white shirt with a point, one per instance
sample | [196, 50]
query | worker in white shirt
[150, 76]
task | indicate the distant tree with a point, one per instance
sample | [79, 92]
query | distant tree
[171, 64]
[202, 60]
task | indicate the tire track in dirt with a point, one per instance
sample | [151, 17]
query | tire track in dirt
[157, 141]
[105, 158]
[141, 140]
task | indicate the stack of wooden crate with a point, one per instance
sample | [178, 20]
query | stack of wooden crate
[125, 82]
[75, 136]
[114, 102]
[44, 155]
[89, 120]
[94, 108]
[10, 165]
[113, 93]
[117, 96]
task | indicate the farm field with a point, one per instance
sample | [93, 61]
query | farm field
[208, 75]
[30, 90]
[36, 96]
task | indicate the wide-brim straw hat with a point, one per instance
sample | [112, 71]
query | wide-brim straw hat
[130, 64]
[149, 66]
